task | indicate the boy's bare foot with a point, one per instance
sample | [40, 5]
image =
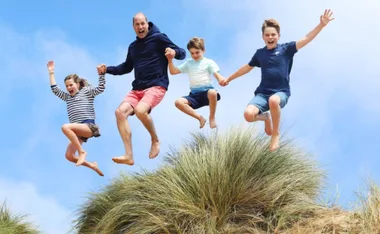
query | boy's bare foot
[212, 123]
[274, 142]
[94, 166]
[202, 122]
[155, 149]
[125, 159]
[81, 158]
[268, 124]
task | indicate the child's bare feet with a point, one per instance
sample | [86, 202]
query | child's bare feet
[94, 166]
[202, 122]
[125, 159]
[155, 149]
[268, 124]
[81, 158]
[212, 123]
[274, 142]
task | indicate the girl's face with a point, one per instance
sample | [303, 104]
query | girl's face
[72, 87]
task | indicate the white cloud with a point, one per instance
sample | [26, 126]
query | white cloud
[23, 197]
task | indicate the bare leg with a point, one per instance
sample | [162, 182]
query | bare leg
[142, 114]
[70, 155]
[213, 99]
[251, 114]
[72, 131]
[122, 113]
[183, 105]
[275, 110]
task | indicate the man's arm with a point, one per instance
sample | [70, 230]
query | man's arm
[121, 69]
[180, 53]
[324, 20]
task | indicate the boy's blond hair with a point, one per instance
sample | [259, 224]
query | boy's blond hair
[271, 23]
[196, 43]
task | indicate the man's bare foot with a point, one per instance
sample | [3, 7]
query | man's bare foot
[94, 166]
[274, 142]
[81, 158]
[125, 159]
[202, 122]
[212, 123]
[268, 124]
[154, 150]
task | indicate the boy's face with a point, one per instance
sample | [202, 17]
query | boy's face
[270, 37]
[196, 54]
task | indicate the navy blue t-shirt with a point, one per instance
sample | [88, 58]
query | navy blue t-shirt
[275, 65]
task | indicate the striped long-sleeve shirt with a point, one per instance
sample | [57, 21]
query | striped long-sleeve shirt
[81, 106]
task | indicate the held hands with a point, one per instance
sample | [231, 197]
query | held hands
[169, 53]
[102, 68]
[50, 67]
[326, 17]
[224, 82]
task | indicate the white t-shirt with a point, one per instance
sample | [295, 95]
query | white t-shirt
[200, 73]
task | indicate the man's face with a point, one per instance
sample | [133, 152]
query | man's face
[141, 26]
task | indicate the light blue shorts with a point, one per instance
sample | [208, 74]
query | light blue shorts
[261, 101]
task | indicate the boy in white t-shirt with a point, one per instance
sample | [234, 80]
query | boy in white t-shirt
[202, 92]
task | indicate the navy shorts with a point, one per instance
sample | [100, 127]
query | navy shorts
[199, 99]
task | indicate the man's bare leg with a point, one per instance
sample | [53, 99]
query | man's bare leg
[251, 114]
[70, 155]
[142, 113]
[122, 112]
[212, 96]
[183, 105]
[275, 110]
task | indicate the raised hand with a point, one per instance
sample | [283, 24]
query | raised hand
[326, 17]
[102, 68]
[169, 53]
[50, 66]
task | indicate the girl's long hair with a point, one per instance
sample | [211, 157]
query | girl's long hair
[82, 82]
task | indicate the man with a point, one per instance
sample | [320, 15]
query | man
[147, 56]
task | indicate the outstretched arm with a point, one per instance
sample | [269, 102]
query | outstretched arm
[324, 20]
[179, 53]
[101, 86]
[123, 68]
[173, 69]
[240, 72]
[53, 84]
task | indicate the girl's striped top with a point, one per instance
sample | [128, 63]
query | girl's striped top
[81, 106]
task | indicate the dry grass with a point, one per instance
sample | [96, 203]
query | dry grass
[14, 224]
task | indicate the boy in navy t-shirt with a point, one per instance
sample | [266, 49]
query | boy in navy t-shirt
[275, 61]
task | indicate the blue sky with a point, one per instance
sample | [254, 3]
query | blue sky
[333, 112]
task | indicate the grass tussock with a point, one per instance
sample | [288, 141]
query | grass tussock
[221, 183]
[15, 224]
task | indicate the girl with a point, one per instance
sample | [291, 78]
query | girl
[81, 113]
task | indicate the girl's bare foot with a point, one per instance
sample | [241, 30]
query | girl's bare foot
[94, 166]
[81, 158]
[212, 123]
[275, 142]
[154, 150]
[202, 122]
[125, 159]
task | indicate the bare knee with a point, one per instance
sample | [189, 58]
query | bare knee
[141, 113]
[179, 103]
[274, 101]
[120, 114]
[123, 111]
[250, 113]
[65, 128]
[212, 93]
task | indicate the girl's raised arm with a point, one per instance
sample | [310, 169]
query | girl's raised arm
[53, 84]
